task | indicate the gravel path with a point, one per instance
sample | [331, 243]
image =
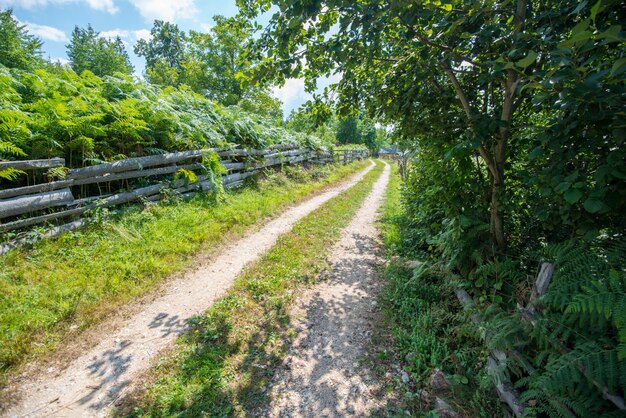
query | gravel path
[322, 375]
[93, 382]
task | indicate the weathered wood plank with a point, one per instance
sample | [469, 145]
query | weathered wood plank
[37, 188]
[149, 193]
[118, 198]
[137, 174]
[241, 152]
[31, 203]
[52, 233]
[55, 185]
[276, 161]
[541, 284]
[129, 164]
[284, 154]
[284, 146]
[33, 164]
[506, 390]
[234, 166]
[23, 223]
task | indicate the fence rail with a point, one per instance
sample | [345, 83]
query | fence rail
[70, 197]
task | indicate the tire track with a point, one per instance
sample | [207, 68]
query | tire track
[322, 375]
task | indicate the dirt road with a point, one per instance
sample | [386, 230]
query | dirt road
[323, 376]
[92, 383]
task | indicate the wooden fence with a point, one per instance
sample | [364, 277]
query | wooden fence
[104, 185]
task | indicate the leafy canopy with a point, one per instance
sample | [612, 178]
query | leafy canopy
[490, 79]
[87, 50]
[212, 64]
[18, 49]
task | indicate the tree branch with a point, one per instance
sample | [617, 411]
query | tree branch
[458, 90]
[493, 169]
[446, 48]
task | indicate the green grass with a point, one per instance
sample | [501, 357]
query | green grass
[223, 366]
[391, 211]
[429, 329]
[82, 276]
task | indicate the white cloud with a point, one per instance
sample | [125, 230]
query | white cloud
[26, 4]
[128, 37]
[206, 27]
[46, 32]
[102, 5]
[60, 60]
[142, 34]
[169, 10]
[122, 33]
[291, 92]
[293, 95]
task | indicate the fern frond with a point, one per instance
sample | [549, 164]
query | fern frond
[606, 298]
[187, 175]
[9, 148]
[10, 174]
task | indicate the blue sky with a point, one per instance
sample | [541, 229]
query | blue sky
[54, 20]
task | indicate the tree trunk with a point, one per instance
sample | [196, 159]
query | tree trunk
[497, 217]
[495, 158]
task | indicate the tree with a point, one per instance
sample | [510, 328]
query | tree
[164, 53]
[211, 64]
[514, 116]
[260, 102]
[88, 51]
[18, 49]
[347, 131]
[358, 130]
[221, 52]
[454, 73]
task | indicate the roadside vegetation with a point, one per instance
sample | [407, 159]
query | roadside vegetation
[59, 287]
[511, 118]
[94, 110]
[223, 366]
[431, 339]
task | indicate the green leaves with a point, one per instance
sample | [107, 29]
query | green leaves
[18, 49]
[11, 174]
[597, 8]
[10, 149]
[87, 50]
[573, 195]
[87, 119]
[619, 67]
[595, 205]
[562, 187]
[527, 60]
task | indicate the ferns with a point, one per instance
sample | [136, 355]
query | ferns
[8, 148]
[10, 174]
[187, 175]
[606, 298]
[87, 119]
[214, 170]
[572, 358]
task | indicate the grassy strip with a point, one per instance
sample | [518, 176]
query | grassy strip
[429, 330]
[391, 210]
[84, 275]
[223, 367]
